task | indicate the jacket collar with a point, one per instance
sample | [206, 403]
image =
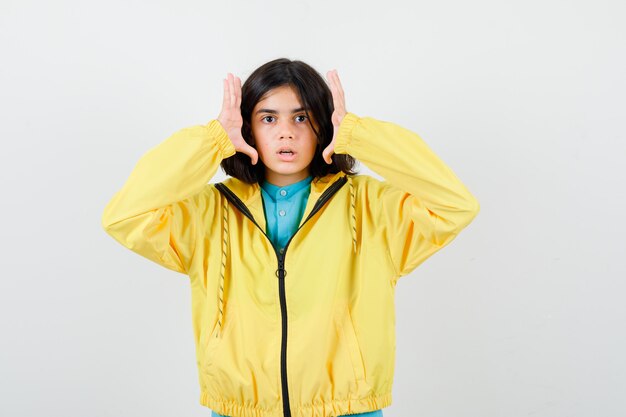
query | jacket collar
[250, 194]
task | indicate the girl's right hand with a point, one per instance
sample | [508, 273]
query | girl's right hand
[230, 117]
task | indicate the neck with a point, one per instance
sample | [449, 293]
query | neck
[284, 180]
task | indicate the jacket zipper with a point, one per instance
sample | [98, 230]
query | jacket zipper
[281, 273]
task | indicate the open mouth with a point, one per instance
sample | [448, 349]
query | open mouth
[286, 154]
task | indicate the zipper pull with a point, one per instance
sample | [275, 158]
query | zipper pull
[281, 272]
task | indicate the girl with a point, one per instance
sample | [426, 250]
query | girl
[293, 260]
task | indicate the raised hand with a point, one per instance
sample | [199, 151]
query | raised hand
[230, 117]
[339, 102]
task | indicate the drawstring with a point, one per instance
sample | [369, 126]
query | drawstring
[352, 214]
[223, 269]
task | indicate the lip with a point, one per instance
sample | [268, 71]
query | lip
[286, 157]
[285, 148]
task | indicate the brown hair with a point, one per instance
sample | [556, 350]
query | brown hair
[314, 95]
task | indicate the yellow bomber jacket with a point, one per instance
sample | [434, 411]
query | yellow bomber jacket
[311, 331]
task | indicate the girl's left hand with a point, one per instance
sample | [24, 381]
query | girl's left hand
[339, 102]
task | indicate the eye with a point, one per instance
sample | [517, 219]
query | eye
[267, 117]
[303, 116]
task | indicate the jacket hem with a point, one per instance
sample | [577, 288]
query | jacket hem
[331, 408]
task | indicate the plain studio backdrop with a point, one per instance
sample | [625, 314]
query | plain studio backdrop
[522, 315]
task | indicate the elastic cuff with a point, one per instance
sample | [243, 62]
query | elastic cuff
[344, 134]
[216, 131]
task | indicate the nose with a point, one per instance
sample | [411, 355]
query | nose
[286, 131]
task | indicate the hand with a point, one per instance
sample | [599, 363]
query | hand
[339, 102]
[230, 117]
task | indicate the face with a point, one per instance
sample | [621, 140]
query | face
[279, 123]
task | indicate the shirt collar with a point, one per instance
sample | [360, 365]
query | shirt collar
[274, 191]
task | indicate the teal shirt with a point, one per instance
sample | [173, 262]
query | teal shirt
[284, 208]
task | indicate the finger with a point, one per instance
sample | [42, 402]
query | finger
[329, 78]
[333, 88]
[252, 153]
[326, 154]
[238, 91]
[328, 157]
[225, 101]
[338, 85]
[231, 82]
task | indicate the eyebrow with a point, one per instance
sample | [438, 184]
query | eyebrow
[276, 112]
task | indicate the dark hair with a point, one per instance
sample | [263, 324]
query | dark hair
[314, 95]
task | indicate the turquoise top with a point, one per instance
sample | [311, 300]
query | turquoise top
[284, 208]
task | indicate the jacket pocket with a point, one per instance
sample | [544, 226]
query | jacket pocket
[346, 327]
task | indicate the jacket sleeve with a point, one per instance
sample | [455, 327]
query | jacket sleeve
[159, 210]
[422, 205]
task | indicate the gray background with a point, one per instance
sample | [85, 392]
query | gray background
[522, 315]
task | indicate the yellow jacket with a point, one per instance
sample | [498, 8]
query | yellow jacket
[311, 331]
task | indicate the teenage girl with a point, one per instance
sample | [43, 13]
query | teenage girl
[293, 261]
